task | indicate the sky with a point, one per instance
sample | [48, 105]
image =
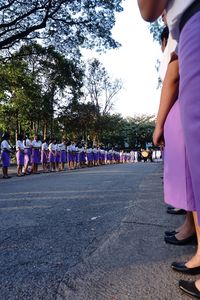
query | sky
[134, 62]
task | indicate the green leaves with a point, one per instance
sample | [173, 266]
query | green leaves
[68, 25]
[32, 82]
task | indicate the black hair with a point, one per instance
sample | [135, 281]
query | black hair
[20, 137]
[68, 143]
[5, 136]
[164, 34]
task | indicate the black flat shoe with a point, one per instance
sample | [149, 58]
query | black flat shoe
[171, 239]
[181, 267]
[169, 233]
[176, 211]
[189, 288]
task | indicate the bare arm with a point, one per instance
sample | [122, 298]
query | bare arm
[151, 9]
[169, 95]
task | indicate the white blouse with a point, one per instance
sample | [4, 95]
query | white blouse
[58, 148]
[27, 143]
[89, 150]
[44, 147]
[36, 144]
[5, 145]
[62, 147]
[175, 10]
[52, 147]
[71, 148]
[19, 145]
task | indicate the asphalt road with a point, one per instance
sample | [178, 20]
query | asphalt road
[88, 234]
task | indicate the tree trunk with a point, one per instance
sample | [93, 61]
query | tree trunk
[45, 128]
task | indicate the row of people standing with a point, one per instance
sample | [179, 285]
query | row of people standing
[54, 155]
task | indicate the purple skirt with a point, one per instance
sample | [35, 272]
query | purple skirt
[5, 157]
[90, 157]
[77, 157]
[27, 156]
[52, 158]
[109, 156]
[72, 156]
[95, 156]
[63, 156]
[44, 157]
[58, 157]
[82, 157]
[35, 156]
[176, 182]
[20, 158]
[189, 94]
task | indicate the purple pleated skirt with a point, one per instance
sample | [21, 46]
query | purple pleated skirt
[20, 158]
[5, 157]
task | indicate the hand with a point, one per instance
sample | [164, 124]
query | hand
[158, 137]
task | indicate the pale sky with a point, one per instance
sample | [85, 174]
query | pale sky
[134, 63]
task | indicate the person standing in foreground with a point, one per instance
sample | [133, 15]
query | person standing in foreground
[176, 189]
[184, 24]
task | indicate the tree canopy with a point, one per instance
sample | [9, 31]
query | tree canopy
[65, 24]
[32, 84]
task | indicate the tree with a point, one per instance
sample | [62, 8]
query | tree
[17, 91]
[100, 88]
[32, 83]
[77, 120]
[111, 132]
[139, 130]
[66, 24]
[58, 78]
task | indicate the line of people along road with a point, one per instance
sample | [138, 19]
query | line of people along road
[55, 155]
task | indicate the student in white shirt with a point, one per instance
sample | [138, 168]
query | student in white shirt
[5, 154]
[82, 155]
[36, 146]
[63, 154]
[52, 155]
[90, 156]
[20, 154]
[58, 156]
[27, 154]
[72, 155]
[44, 155]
